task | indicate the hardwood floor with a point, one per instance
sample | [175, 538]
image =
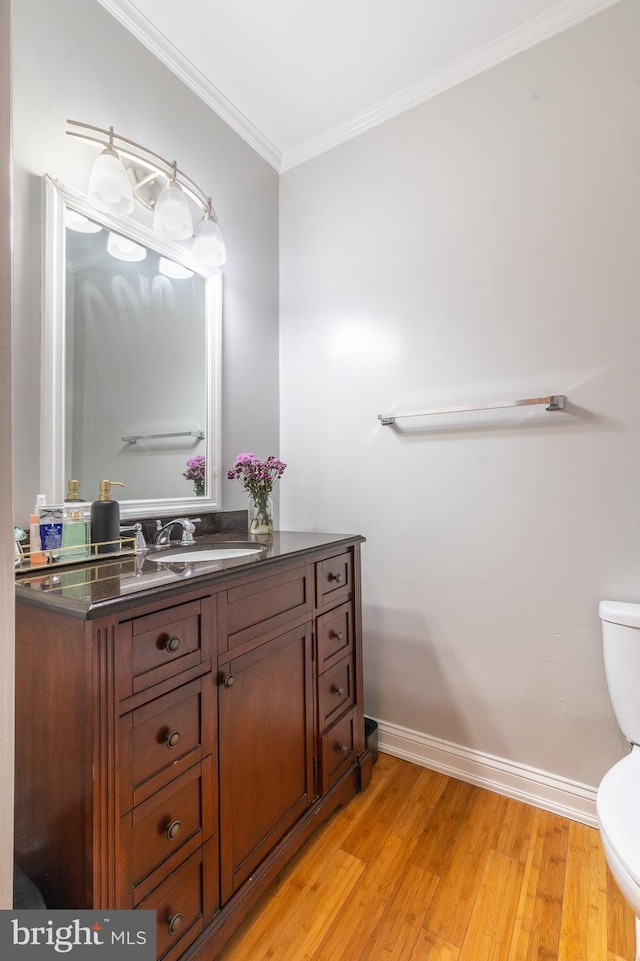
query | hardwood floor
[421, 867]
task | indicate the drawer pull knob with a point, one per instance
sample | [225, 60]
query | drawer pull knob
[335, 577]
[174, 923]
[337, 635]
[344, 748]
[172, 644]
[229, 681]
[172, 738]
[173, 830]
[339, 691]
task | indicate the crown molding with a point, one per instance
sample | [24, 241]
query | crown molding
[164, 50]
[535, 31]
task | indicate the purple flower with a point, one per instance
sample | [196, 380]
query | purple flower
[256, 476]
[195, 468]
[196, 472]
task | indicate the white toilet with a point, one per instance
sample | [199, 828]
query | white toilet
[618, 799]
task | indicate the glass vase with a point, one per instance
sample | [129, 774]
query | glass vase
[261, 515]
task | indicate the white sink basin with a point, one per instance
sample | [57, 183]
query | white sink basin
[203, 554]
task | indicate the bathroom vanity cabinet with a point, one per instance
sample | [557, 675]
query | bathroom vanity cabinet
[175, 746]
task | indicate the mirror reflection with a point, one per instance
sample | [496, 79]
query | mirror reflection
[135, 330]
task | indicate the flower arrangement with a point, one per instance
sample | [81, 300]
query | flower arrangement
[196, 472]
[258, 477]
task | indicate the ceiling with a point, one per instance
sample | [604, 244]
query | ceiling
[296, 78]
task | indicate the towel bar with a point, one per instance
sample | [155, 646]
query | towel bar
[552, 402]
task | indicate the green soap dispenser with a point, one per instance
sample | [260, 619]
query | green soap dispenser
[105, 520]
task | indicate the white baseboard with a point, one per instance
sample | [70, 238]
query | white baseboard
[548, 791]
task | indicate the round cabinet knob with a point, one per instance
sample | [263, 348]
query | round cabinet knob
[339, 691]
[172, 644]
[229, 681]
[335, 577]
[174, 923]
[173, 830]
[337, 635]
[172, 739]
[344, 748]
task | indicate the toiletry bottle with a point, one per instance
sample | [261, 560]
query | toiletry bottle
[51, 530]
[74, 535]
[105, 520]
[73, 493]
[35, 548]
[74, 503]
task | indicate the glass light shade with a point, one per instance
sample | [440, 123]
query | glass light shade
[208, 244]
[171, 269]
[109, 187]
[171, 215]
[124, 249]
[78, 222]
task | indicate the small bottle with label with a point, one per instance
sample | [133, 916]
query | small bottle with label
[75, 535]
[36, 555]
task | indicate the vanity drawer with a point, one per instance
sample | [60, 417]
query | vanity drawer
[163, 738]
[160, 645]
[158, 834]
[334, 578]
[336, 691]
[337, 749]
[251, 611]
[180, 906]
[335, 635]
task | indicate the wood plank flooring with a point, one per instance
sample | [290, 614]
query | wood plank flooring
[422, 867]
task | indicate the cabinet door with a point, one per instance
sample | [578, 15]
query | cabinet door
[266, 750]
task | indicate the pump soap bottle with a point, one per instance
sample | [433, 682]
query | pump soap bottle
[73, 493]
[105, 520]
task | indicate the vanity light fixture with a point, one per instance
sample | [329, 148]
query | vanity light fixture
[171, 214]
[171, 269]
[122, 248]
[109, 185]
[125, 170]
[208, 243]
[78, 222]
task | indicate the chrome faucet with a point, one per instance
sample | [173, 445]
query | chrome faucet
[163, 533]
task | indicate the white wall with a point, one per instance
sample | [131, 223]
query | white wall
[483, 246]
[6, 546]
[73, 60]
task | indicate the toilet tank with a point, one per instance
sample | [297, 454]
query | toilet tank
[621, 645]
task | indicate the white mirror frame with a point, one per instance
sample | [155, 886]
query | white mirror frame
[53, 373]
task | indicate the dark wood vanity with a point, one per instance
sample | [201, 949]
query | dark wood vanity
[177, 744]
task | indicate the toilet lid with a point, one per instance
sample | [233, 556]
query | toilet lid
[618, 806]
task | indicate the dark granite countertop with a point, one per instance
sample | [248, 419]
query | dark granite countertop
[100, 587]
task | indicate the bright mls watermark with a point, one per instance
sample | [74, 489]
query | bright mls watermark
[78, 935]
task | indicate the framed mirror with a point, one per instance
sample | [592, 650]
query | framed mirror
[131, 362]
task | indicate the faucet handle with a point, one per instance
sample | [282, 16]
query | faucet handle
[188, 527]
[141, 544]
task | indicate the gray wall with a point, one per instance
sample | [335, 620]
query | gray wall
[74, 60]
[483, 246]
